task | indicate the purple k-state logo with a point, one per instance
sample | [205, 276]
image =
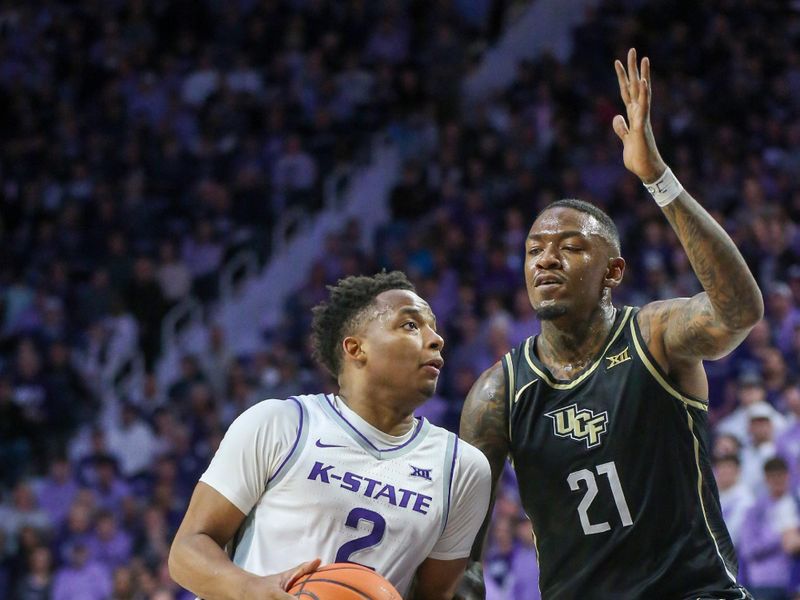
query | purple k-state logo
[417, 472]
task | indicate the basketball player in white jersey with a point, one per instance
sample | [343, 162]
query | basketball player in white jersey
[347, 477]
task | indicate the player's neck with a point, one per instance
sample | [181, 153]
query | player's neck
[379, 409]
[571, 342]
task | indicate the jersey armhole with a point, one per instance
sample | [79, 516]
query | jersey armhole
[294, 452]
[655, 370]
[508, 372]
[450, 457]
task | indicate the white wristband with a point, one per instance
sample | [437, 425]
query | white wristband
[665, 189]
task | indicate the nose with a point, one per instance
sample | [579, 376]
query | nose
[435, 341]
[548, 258]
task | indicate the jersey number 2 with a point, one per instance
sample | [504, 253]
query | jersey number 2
[610, 471]
[373, 538]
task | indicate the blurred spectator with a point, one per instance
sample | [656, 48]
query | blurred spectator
[149, 397]
[123, 587]
[147, 304]
[294, 177]
[109, 544]
[109, 488]
[735, 496]
[76, 529]
[775, 374]
[524, 567]
[37, 583]
[409, 197]
[81, 577]
[389, 41]
[750, 392]
[472, 351]
[771, 535]
[498, 572]
[217, 358]
[761, 446]
[22, 511]
[153, 538]
[73, 401]
[524, 323]
[788, 443]
[16, 431]
[726, 444]
[132, 442]
[29, 388]
[202, 254]
[436, 410]
[6, 567]
[783, 315]
[57, 491]
[190, 374]
[172, 274]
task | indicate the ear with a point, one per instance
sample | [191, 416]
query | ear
[353, 349]
[614, 272]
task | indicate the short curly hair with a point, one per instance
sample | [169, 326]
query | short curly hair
[607, 224]
[338, 317]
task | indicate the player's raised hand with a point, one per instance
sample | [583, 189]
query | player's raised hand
[640, 154]
[273, 587]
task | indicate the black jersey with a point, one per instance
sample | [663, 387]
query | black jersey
[614, 472]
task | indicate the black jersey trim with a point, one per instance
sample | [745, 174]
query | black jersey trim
[655, 371]
[578, 380]
[696, 445]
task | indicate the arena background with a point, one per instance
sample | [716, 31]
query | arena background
[181, 179]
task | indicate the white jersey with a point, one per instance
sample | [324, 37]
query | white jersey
[316, 480]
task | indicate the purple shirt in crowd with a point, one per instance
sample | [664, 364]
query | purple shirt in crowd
[761, 550]
[55, 499]
[92, 581]
[114, 552]
[525, 570]
[787, 445]
[111, 498]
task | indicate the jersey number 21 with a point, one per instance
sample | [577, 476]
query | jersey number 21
[610, 471]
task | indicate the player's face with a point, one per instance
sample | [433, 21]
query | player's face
[402, 347]
[566, 263]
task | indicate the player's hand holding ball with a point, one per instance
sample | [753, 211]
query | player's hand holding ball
[273, 587]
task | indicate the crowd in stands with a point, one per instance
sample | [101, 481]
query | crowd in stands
[144, 142]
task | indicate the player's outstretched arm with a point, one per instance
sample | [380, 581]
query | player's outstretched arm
[711, 324]
[484, 424]
[198, 562]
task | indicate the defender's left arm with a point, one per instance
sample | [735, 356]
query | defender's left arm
[708, 326]
[439, 575]
[438, 579]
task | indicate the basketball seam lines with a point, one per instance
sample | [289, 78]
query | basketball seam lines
[344, 585]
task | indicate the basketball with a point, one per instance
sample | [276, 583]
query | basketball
[344, 581]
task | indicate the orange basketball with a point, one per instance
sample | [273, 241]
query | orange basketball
[344, 581]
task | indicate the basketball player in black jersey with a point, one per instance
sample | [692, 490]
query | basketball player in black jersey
[604, 414]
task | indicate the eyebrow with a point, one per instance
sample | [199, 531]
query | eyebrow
[563, 234]
[411, 310]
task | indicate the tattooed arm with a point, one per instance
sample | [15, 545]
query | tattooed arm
[684, 331]
[484, 424]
